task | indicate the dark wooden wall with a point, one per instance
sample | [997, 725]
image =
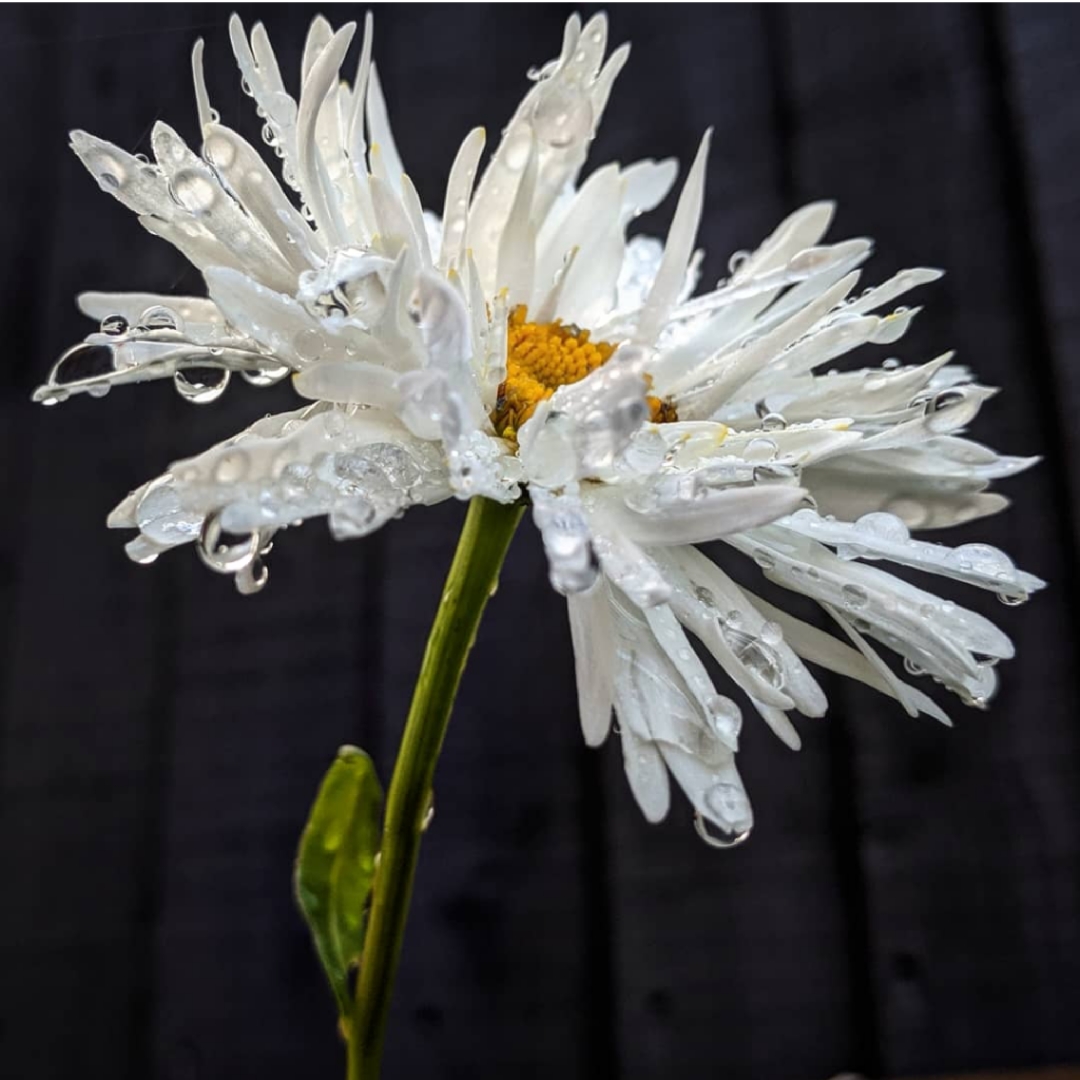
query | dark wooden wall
[910, 901]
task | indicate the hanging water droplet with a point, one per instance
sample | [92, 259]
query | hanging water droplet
[252, 578]
[722, 842]
[1013, 599]
[98, 390]
[736, 262]
[201, 385]
[891, 364]
[429, 814]
[267, 375]
[773, 421]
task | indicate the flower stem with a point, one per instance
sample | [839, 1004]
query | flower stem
[474, 573]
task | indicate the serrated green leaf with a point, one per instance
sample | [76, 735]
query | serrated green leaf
[335, 866]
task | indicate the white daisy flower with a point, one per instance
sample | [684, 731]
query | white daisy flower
[522, 344]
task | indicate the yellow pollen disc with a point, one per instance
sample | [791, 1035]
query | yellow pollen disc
[541, 357]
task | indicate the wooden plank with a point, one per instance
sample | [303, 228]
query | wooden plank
[737, 961]
[969, 843]
[84, 711]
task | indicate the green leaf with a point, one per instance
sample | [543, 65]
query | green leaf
[336, 865]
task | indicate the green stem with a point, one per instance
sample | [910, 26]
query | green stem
[474, 573]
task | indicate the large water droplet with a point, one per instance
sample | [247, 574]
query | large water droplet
[758, 657]
[762, 449]
[201, 385]
[309, 344]
[883, 526]
[725, 717]
[729, 840]
[219, 151]
[982, 559]
[267, 375]
[563, 116]
[160, 318]
[193, 191]
[728, 801]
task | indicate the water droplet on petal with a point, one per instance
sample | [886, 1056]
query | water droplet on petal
[764, 558]
[159, 318]
[563, 116]
[759, 450]
[267, 375]
[854, 595]
[201, 385]
[725, 841]
[1013, 599]
[193, 191]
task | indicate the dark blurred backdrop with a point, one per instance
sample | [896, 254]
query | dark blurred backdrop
[909, 901]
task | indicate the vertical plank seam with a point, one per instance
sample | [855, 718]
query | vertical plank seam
[1033, 311]
[864, 1018]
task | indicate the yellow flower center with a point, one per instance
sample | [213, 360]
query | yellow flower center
[541, 357]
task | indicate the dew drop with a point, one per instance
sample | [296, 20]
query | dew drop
[729, 840]
[725, 717]
[563, 116]
[764, 558]
[267, 375]
[736, 262]
[159, 318]
[759, 450]
[114, 325]
[219, 151]
[854, 595]
[193, 191]
[309, 344]
[1012, 599]
[201, 385]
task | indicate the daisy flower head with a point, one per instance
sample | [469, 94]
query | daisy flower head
[520, 345]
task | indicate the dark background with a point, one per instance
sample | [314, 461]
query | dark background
[909, 901]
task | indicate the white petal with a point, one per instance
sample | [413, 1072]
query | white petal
[677, 251]
[594, 660]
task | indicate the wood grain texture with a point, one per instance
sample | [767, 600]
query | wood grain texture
[908, 903]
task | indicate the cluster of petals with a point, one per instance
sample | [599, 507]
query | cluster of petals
[392, 322]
